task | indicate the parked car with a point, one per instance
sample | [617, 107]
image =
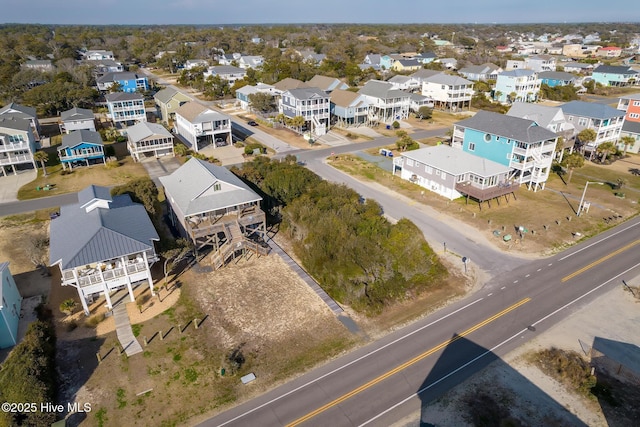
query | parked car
[221, 142]
[252, 123]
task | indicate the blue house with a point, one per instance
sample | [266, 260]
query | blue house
[520, 144]
[556, 78]
[81, 146]
[9, 308]
[612, 75]
[128, 81]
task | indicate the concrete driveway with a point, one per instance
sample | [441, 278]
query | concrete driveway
[10, 184]
[161, 166]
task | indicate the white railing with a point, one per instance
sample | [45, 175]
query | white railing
[11, 160]
[82, 156]
[92, 276]
[12, 146]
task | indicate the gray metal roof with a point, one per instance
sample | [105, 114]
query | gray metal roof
[631, 127]
[191, 186]
[27, 111]
[556, 75]
[307, 93]
[543, 115]
[514, 128]
[614, 69]
[448, 79]
[382, 90]
[81, 136]
[144, 130]
[77, 114]
[93, 192]
[78, 237]
[123, 96]
[631, 96]
[15, 122]
[518, 72]
[590, 109]
[455, 161]
[118, 76]
[226, 69]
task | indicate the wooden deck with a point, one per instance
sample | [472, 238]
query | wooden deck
[487, 194]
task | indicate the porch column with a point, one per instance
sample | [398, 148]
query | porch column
[83, 299]
[126, 275]
[149, 278]
[105, 287]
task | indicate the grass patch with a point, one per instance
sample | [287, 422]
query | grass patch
[101, 417]
[92, 321]
[136, 329]
[121, 398]
[568, 368]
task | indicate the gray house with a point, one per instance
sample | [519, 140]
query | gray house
[213, 207]
[102, 244]
[149, 139]
[453, 173]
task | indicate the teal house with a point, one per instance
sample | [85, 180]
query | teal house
[521, 144]
[81, 147]
[9, 308]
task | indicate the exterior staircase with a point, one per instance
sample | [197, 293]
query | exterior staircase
[235, 242]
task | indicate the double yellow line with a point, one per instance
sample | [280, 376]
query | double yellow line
[405, 365]
[599, 261]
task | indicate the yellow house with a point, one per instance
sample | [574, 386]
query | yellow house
[406, 65]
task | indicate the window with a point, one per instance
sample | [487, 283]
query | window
[582, 121]
[217, 186]
[409, 162]
[443, 175]
[428, 169]
[472, 146]
[634, 115]
[508, 156]
[636, 103]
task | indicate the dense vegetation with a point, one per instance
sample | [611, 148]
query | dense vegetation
[344, 241]
[345, 46]
[28, 375]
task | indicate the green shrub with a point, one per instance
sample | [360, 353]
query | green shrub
[395, 125]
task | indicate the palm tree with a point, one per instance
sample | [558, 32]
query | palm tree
[571, 162]
[42, 157]
[586, 136]
[628, 142]
[604, 149]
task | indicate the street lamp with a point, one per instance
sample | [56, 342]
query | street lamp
[581, 205]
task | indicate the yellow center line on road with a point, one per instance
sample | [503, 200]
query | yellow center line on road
[599, 261]
[406, 364]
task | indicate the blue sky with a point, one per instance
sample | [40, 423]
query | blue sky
[104, 12]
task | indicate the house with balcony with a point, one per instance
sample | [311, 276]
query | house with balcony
[17, 111]
[77, 119]
[417, 101]
[609, 52]
[229, 73]
[212, 207]
[606, 121]
[200, 126]
[454, 173]
[17, 144]
[327, 84]
[243, 95]
[540, 63]
[630, 104]
[311, 103]
[615, 75]
[557, 78]
[10, 302]
[81, 147]
[551, 118]
[386, 103]
[125, 109]
[149, 139]
[481, 72]
[105, 66]
[194, 63]
[406, 83]
[371, 60]
[451, 93]
[425, 57]
[128, 82]
[517, 85]
[103, 244]
[348, 108]
[167, 101]
[250, 61]
[521, 144]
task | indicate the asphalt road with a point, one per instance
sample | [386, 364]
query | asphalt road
[13, 208]
[399, 374]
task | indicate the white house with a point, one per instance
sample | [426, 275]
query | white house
[448, 92]
[149, 139]
[77, 119]
[311, 103]
[126, 108]
[386, 103]
[201, 126]
[226, 72]
[103, 244]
